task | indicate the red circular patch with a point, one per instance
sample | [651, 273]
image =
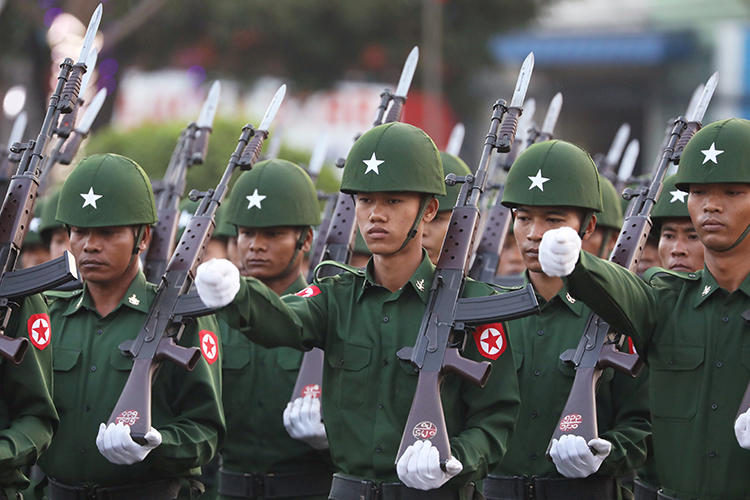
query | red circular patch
[128, 417]
[39, 330]
[490, 340]
[311, 390]
[424, 430]
[209, 345]
[310, 291]
[570, 422]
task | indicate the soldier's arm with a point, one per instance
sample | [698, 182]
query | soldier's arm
[265, 318]
[630, 430]
[193, 433]
[490, 413]
[27, 396]
[620, 297]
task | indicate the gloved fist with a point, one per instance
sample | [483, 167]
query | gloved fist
[303, 421]
[116, 445]
[217, 282]
[742, 430]
[559, 251]
[419, 467]
[573, 456]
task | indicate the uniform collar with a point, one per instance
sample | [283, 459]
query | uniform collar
[563, 296]
[420, 281]
[296, 286]
[138, 297]
[708, 286]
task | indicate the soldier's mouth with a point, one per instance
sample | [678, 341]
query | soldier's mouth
[90, 263]
[377, 232]
[680, 267]
[712, 225]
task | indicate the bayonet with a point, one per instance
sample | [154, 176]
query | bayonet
[456, 139]
[627, 164]
[697, 93]
[90, 65]
[88, 39]
[507, 132]
[70, 93]
[615, 150]
[695, 119]
[318, 157]
[19, 126]
[87, 120]
[199, 146]
[553, 113]
[407, 74]
[272, 109]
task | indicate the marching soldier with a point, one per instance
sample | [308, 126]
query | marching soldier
[362, 317]
[108, 206]
[274, 207]
[539, 191]
[689, 327]
[608, 222]
[434, 231]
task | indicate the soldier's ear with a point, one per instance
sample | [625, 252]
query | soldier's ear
[145, 239]
[431, 210]
[590, 226]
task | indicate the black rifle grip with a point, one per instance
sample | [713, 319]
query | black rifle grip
[507, 132]
[69, 96]
[394, 114]
[13, 349]
[687, 134]
[186, 357]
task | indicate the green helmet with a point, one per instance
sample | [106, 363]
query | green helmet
[611, 214]
[106, 190]
[553, 173]
[34, 234]
[717, 153]
[274, 193]
[672, 202]
[451, 165]
[394, 157]
[47, 215]
[224, 229]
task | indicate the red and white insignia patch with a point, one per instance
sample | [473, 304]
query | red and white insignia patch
[39, 330]
[209, 345]
[491, 340]
[310, 291]
[311, 390]
[128, 417]
[424, 430]
[570, 422]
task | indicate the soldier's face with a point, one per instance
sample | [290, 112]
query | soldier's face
[720, 213]
[102, 254]
[265, 252]
[511, 261]
[434, 234]
[679, 246]
[594, 244]
[59, 242]
[530, 224]
[384, 219]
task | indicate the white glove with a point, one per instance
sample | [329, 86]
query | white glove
[559, 251]
[303, 421]
[574, 458]
[742, 430]
[217, 282]
[419, 467]
[116, 445]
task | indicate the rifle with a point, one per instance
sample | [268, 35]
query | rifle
[597, 347]
[607, 164]
[167, 317]
[438, 343]
[456, 139]
[487, 256]
[339, 233]
[18, 205]
[190, 150]
[16, 134]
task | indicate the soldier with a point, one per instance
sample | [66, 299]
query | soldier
[689, 327]
[680, 249]
[273, 207]
[434, 231]
[608, 222]
[540, 192]
[217, 247]
[28, 418]
[53, 233]
[362, 317]
[108, 206]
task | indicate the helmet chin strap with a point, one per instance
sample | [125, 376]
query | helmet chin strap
[585, 223]
[606, 232]
[413, 230]
[738, 241]
[297, 247]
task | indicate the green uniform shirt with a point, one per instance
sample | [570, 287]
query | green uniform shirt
[367, 390]
[258, 383]
[27, 415]
[697, 346]
[90, 372]
[545, 383]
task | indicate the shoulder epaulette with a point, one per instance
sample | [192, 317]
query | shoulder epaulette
[653, 272]
[61, 294]
[344, 267]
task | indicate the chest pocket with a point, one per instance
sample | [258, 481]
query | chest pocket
[289, 359]
[348, 372]
[63, 361]
[120, 361]
[675, 380]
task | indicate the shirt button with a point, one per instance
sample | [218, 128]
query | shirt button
[712, 454]
[99, 331]
[93, 368]
[534, 414]
[725, 319]
[714, 406]
[83, 451]
[380, 406]
[533, 456]
[385, 362]
[386, 319]
[378, 450]
[719, 364]
[537, 373]
[540, 332]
